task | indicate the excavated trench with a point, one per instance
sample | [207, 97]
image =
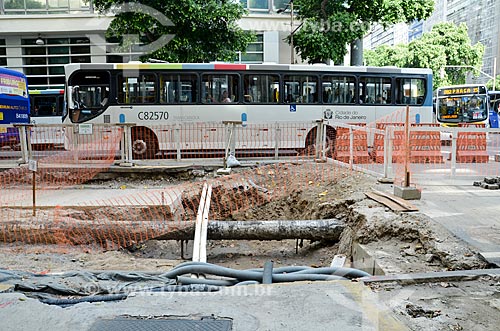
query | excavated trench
[371, 236]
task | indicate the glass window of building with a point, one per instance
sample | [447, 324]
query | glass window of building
[44, 64]
[254, 52]
[256, 5]
[30, 7]
[3, 53]
[280, 4]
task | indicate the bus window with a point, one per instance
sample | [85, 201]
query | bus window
[219, 88]
[140, 89]
[301, 89]
[410, 91]
[46, 105]
[261, 88]
[88, 94]
[375, 90]
[338, 89]
[178, 88]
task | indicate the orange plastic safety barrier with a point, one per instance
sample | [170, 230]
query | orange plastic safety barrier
[471, 146]
[378, 142]
[425, 146]
[360, 146]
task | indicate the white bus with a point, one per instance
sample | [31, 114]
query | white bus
[47, 107]
[153, 94]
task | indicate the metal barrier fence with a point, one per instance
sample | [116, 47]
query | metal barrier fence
[378, 148]
[300, 155]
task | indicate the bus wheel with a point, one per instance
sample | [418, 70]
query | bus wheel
[144, 143]
[330, 142]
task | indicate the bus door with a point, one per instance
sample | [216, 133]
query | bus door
[494, 116]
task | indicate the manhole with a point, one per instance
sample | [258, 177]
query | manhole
[138, 324]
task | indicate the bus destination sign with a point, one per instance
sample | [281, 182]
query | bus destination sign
[461, 90]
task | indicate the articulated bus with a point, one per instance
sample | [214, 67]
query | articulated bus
[166, 93]
[462, 104]
[47, 107]
[14, 105]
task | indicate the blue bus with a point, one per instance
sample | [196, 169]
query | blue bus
[14, 105]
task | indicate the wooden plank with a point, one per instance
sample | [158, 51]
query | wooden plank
[204, 226]
[398, 200]
[198, 226]
[385, 201]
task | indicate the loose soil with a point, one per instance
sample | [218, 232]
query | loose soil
[400, 243]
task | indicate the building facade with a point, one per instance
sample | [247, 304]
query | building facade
[483, 22]
[38, 37]
[482, 18]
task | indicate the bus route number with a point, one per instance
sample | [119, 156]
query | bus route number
[152, 115]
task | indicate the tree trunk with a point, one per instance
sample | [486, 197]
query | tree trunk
[357, 52]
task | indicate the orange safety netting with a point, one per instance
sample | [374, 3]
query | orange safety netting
[68, 214]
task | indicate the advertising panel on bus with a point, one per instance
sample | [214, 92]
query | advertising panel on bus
[14, 105]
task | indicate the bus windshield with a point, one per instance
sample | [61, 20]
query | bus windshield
[462, 104]
[462, 109]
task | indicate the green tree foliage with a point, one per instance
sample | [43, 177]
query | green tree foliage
[489, 84]
[445, 45]
[202, 30]
[328, 26]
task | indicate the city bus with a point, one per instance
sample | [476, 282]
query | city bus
[462, 104]
[14, 105]
[494, 98]
[47, 107]
[154, 94]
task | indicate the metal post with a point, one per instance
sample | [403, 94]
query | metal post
[233, 141]
[320, 142]
[351, 147]
[292, 58]
[277, 139]
[128, 153]
[25, 142]
[76, 134]
[177, 139]
[33, 180]
[123, 146]
[386, 152]
[229, 130]
[407, 147]
[389, 152]
[454, 137]
[494, 73]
